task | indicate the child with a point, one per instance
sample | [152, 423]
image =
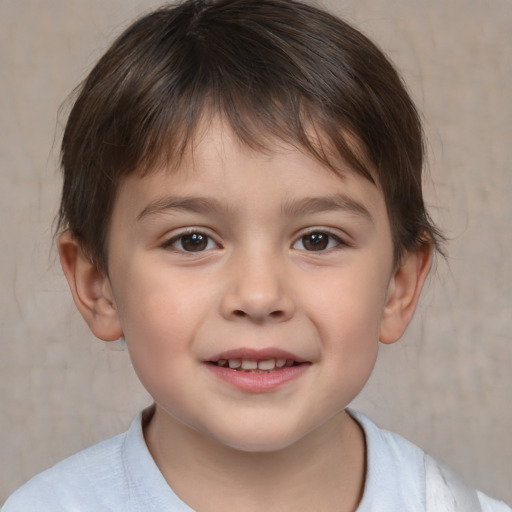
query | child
[242, 203]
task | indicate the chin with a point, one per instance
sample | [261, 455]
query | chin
[259, 440]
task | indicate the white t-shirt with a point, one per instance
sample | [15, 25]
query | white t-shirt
[120, 475]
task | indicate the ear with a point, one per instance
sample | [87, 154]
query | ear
[91, 290]
[404, 292]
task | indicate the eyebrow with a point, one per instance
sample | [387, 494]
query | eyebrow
[190, 204]
[310, 205]
[304, 206]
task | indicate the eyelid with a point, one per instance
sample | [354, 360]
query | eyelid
[341, 240]
[176, 234]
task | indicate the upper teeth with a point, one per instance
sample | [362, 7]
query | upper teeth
[252, 364]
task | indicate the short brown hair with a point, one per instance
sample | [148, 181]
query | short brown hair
[270, 68]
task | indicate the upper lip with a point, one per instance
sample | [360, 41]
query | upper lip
[256, 354]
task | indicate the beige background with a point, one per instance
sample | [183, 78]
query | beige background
[447, 386]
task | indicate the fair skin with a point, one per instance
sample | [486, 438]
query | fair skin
[254, 259]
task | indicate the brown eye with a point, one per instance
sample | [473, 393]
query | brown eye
[317, 241]
[191, 242]
[194, 242]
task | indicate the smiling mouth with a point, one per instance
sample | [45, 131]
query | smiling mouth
[255, 366]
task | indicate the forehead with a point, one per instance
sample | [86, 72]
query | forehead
[219, 172]
[214, 139]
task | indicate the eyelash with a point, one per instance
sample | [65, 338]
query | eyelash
[325, 241]
[332, 241]
[196, 236]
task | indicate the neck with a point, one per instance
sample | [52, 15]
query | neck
[323, 471]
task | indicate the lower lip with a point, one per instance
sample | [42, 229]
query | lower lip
[254, 382]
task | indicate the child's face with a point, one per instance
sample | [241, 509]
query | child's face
[240, 256]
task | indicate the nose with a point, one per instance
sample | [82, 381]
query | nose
[257, 289]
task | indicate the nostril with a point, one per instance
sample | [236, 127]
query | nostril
[239, 313]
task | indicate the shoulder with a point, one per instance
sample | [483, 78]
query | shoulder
[446, 490]
[395, 471]
[491, 505]
[117, 474]
[401, 476]
[71, 481]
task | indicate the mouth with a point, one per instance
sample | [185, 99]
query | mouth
[255, 365]
[257, 370]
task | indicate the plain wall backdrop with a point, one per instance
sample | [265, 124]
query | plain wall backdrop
[446, 386]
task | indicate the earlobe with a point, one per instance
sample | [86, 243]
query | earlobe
[404, 292]
[91, 290]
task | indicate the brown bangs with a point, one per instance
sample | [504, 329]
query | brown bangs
[271, 69]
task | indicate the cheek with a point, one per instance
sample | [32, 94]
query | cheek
[159, 338]
[157, 315]
[347, 313]
[152, 296]
[348, 306]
